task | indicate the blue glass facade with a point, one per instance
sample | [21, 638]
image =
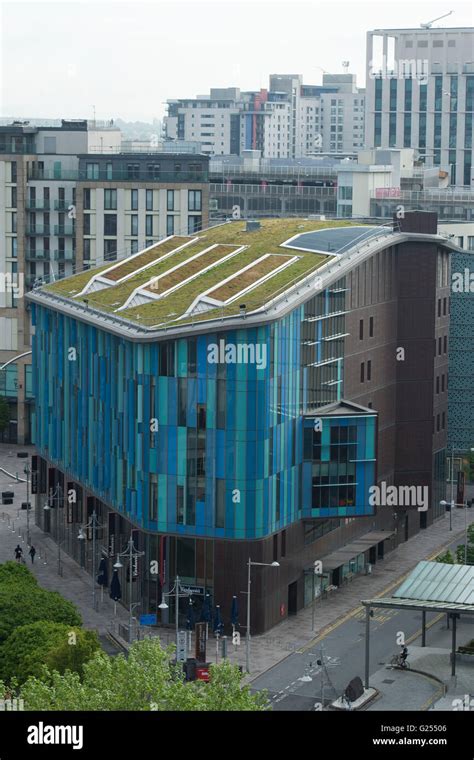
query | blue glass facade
[178, 442]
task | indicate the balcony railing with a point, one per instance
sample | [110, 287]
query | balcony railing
[64, 255]
[38, 229]
[37, 205]
[62, 205]
[116, 175]
[38, 255]
[63, 230]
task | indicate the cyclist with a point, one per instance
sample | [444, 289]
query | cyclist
[403, 657]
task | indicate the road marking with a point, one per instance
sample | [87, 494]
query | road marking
[351, 614]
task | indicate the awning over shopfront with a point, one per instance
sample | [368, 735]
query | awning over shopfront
[354, 549]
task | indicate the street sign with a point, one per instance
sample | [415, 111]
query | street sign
[147, 619]
[200, 642]
[181, 646]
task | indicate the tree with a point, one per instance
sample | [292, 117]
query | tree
[24, 602]
[12, 572]
[447, 558]
[58, 645]
[4, 414]
[145, 680]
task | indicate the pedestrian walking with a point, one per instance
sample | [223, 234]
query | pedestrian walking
[32, 553]
[18, 552]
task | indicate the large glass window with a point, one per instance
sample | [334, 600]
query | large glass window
[194, 200]
[110, 200]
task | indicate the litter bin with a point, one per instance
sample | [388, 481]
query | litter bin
[202, 672]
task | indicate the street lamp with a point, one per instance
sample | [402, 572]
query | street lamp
[27, 471]
[95, 525]
[131, 553]
[175, 591]
[56, 494]
[445, 504]
[251, 564]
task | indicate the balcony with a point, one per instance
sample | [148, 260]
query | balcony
[64, 230]
[64, 255]
[63, 205]
[38, 229]
[37, 205]
[40, 255]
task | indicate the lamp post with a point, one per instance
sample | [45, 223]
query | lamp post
[251, 564]
[27, 471]
[175, 591]
[131, 553]
[95, 525]
[55, 495]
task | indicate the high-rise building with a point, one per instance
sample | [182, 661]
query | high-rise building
[420, 94]
[237, 393]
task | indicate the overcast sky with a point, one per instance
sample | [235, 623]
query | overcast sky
[59, 59]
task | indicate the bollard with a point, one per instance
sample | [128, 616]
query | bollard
[13, 526]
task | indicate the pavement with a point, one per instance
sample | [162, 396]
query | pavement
[292, 640]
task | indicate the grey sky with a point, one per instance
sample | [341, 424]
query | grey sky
[60, 58]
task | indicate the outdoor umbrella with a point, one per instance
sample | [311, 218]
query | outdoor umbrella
[218, 625]
[234, 613]
[103, 576]
[206, 609]
[190, 619]
[115, 590]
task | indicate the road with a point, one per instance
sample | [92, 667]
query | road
[344, 654]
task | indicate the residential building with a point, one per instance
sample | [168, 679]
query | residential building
[420, 94]
[236, 393]
[70, 199]
[289, 120]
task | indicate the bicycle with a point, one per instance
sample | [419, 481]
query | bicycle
[398, 661]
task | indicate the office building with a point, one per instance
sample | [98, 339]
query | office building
[236, 393]
[420, 94]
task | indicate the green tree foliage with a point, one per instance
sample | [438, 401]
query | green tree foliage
[4, 414]
[31, 646]
[22, 601]
[447, 558]
[145, 680]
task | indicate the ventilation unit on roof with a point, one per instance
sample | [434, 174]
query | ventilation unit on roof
[252, 226]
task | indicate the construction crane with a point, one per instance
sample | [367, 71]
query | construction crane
[430, 23]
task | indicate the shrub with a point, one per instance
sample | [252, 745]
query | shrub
[25, 603]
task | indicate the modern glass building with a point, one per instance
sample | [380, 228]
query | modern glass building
[201, 396]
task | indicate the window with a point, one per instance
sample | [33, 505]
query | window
[445, 341]
[362, 372]
[149, 225]
[194, 200]
[92, 171]
[134, 200]
[371, 327]
[170, 225]
[149, 200]
[110, 200]
[170, 200]
[194, 224]
[369, 370]
[219, 518]
[110, 250]
[134, 246]
[133, 171]
[444, 306]
[86, 198]
[87, 250]
[153, 171]
[361, 329]
[134, 224]
[439, 307]
[87, 224]
[180, 505]
[110, 224]
[437, 384]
